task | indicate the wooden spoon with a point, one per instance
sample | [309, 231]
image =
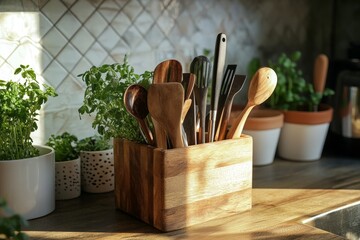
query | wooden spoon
[261, 87]
[165, 104]
[135, 100]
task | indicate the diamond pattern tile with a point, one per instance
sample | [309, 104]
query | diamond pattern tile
[54, 41]
[96, 24]
[82, 40]
[132, 9]
[68, 25]
[108, 38]
[53, 10]
[96, 54]
[132, 37]
[68, 57]
[121, 23]
[109, 9]
[54, 74]
[69, 36]
[144, 22]
[82, 10]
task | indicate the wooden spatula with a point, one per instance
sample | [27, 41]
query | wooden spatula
[166, 71]
[165, 104]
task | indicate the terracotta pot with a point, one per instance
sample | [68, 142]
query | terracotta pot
[264, 125]
[303, 134]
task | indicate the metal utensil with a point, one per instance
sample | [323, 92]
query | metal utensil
[261, 87]
[219, 62]
[165, 104]
[135, 100]
[224, 92]
[236, 87]
[200, 66]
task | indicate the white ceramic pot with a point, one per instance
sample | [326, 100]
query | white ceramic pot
[97, 171]
[67, 179]
[264, 126]
[303, 135]
[302, 142]
[28, 185]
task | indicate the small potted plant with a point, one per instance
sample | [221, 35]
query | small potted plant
[104, 93]
[11, 223]
[67, 166]
[27, 172]
[97, 164]
[306, 119]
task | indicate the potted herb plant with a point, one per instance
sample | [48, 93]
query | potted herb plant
[11, 223]
[103, 97]
[67, 166]
[306, 119]
[27, 172]
[97, 164]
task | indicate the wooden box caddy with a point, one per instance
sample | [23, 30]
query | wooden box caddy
[176, 188]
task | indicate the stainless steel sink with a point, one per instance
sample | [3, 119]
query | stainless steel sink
[343, 221]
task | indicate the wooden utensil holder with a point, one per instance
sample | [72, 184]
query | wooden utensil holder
[176, 188]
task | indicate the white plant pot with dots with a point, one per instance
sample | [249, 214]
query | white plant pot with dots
[97, 171]
[67, 179]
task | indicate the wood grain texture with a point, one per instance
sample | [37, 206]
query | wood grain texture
[190, 181]
[133, 179]
[284, 194]
[177, 188]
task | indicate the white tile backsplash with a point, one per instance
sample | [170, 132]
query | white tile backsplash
[62, 39]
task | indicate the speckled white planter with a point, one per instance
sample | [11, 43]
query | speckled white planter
[97, 171]
[28, 185]
[67, 179]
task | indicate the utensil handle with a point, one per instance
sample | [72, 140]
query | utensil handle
[224, 120]
[160, 135]
[320, 72]
[146, 131]
[219, 62]
[218, 69]
[238, 125]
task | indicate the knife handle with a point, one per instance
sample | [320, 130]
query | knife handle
[218, 69]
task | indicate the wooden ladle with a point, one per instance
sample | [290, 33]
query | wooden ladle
[165, 104]
[261, 87]
[135, 100]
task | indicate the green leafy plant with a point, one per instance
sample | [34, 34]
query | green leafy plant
[11, 224]
[65, 146]
[94, 143]
[292, 91]
[19, 105]
[104, 97]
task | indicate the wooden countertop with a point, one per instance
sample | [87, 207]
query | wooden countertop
[284, 194]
